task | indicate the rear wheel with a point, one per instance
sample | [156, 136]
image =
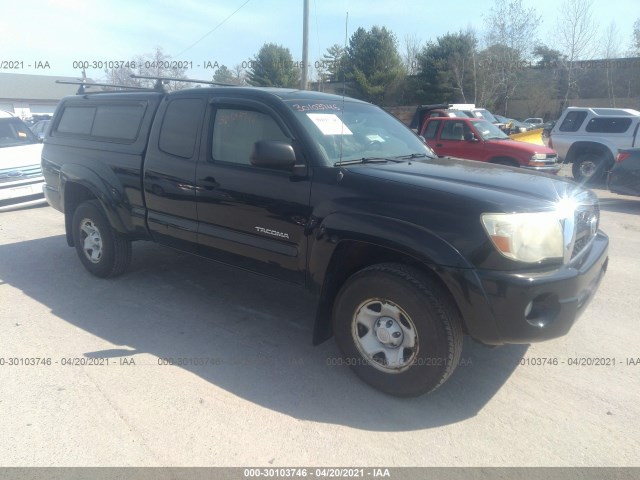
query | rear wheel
[397, 329]
[588, 168]
[103, 251]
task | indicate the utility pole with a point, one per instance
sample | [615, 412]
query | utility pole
[305, 46]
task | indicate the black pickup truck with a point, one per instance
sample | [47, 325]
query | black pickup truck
[404, 252]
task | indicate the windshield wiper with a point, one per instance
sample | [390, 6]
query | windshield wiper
[414, 155]
[362, 160]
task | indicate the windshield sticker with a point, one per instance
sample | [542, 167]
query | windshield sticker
[375, 138]
[22, 135]
[329, 124]
[308, 107]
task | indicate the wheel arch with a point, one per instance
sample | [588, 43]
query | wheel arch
[79, 183]
[336, 257]
[586, 147]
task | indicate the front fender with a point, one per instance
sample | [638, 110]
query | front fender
[393, 234]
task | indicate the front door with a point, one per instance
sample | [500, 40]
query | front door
[249, 216]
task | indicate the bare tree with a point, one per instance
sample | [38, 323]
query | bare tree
[635, 42]
[610, 42]
[121, 75]
[160, 64]
[577, 34]
[156, 63]
[239, 74]
[412, 47]
[512, 30]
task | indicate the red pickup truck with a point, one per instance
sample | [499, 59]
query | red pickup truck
[476, 139]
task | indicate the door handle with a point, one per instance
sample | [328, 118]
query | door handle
[212, 183]
[438, 144]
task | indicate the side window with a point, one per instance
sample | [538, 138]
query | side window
[77, 120]
[104, 122]
[118, 121]
[236, 130]
[608, 125]
[182, 121]
[432, 130]
[572, 121]
[453, 131]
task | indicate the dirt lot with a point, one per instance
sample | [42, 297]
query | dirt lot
[251, 390]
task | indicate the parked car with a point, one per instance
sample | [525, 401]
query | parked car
[624, 177]
[591, 137]
[436, 110]
[535, 121]
[39, 128]
[21, 179]
[476, 139]
[471, 111]
[511, 125]
[403, 252]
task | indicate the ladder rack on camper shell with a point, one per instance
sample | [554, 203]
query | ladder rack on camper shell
[158, 86]
[84, 85]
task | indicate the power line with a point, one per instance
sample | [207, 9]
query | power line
[213, 29]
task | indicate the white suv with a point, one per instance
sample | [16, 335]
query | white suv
[21, 178]
[590, 138]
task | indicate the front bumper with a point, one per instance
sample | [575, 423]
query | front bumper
[19, 194]
[552, 169]
[505, 307]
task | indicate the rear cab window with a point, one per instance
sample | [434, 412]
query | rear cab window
[608, 125]
[572, 121]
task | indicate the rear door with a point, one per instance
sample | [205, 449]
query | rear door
[248, 216]
[170, 169]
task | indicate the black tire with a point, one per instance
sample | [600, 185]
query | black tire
[410, 299]
[112, 253]
[588, 168]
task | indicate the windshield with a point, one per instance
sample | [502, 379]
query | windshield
[488, 131]
[362, 131]
[486, 114]
[14, 132]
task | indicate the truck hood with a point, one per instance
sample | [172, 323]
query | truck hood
[507, 189]
[20, 156]
[524, 147]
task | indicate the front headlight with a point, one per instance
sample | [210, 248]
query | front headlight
[526, 237]
[539, 156]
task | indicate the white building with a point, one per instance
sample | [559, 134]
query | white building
[28, 95]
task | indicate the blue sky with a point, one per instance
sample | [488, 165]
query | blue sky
[63, 31]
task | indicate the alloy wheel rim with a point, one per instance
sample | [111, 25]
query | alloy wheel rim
[91, 240]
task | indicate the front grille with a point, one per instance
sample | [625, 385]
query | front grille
[16, 174]
[587, 220]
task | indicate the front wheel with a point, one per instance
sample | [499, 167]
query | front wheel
[103, 251]
[398, 329]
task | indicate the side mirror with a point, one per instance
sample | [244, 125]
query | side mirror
[470, 137]
[273, 154]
